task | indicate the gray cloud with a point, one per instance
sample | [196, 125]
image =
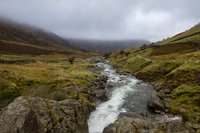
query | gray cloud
[106, 19]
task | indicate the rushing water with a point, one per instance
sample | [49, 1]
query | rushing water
[128, 95]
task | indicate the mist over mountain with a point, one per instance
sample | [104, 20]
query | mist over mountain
[18, 38]
[17, 35]
[107, 45]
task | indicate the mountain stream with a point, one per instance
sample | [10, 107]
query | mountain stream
[128, 95]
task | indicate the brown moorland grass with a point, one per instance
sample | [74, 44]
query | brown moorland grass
[170, 49]
[37, 78]
[178, 70]
[25, 49]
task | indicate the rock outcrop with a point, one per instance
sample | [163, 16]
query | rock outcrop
[146, 123]
[38, 115]
[155, 104]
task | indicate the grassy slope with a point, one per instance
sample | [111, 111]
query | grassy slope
[18, 39]
[184, 36]
[170, 72]
[51, 70]
[44, 78]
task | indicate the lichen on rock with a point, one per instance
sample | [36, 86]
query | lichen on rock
[31, 115]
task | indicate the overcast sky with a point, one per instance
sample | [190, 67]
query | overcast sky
[106, 19]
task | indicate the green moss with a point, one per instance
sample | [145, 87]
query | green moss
[8, 92]
[187, 97]
[51, 113]
[52, 116]
[60, 119]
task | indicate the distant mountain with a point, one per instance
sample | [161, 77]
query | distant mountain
[107, 45]
[24, 39]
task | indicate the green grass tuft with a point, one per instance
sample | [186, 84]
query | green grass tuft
[58, 96]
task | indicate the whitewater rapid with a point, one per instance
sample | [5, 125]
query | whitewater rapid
[128, 95]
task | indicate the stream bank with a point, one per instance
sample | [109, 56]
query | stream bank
[126, 110]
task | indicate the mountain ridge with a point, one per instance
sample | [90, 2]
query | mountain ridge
[107, 45]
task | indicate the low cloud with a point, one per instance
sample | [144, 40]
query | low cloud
[105, 19]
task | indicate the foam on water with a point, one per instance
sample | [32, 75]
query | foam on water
[107, 112]
[129, 95]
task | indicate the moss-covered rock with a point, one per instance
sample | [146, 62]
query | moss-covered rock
[41, 115]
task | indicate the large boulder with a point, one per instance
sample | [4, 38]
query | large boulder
[38, 115]
[138, 125]
[128, 125]
[155, 103]
[99, 95]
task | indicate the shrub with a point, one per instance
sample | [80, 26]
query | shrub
[71, 60]
[127, 53]
[107, 55]
[143, 47]
[121, 52]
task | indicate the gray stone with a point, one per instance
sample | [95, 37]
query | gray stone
[134, 125]
[167, 105]
[18, 117]
[38, 115]
[161, 96]
[99, 95]
[110, 85]
[155, 104]
[182, 110]
[167, 91]
[196, 126]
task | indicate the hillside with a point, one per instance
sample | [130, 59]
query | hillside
[24, 39]
[193, 34]
[174, 71]
[107, 45]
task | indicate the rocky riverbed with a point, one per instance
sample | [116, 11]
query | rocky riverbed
[123, 104]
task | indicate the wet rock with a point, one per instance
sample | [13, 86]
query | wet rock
[155, 104]
[134, 125]
[121, 126]
[156, 87]
[110, 85]
[38, 115]
[140, 115]
[94, 69]
[99, 96]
